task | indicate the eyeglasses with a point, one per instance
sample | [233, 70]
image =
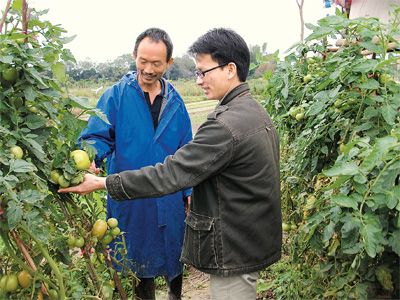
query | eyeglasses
[201, 74]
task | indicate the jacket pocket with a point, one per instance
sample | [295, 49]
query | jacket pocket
[199, 243]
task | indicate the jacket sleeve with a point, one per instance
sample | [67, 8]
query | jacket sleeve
[210, 151]
[99, 132]
[187, 137]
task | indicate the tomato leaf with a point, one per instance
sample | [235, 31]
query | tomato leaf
[21, 166]
[370, 84]
[371, 233]
[394, 241]
[389, 114]
[59, 71]
[345, 201]
[347, 168]
[14, 213]
[30, 196]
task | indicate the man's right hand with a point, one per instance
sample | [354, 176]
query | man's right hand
[90, 184]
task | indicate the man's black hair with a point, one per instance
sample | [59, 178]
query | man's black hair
[156, 35]
[224, 46]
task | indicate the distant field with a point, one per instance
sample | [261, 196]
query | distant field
[197, 104]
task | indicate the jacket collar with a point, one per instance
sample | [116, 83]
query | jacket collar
[131, 78]
[240, 89]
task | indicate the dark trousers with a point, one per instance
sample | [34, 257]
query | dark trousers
[146, 289]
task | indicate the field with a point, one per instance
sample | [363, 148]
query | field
[196, 103]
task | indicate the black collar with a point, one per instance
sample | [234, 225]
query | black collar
[240, 89]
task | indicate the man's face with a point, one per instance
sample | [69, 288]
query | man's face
[214, 83]
[151, 61]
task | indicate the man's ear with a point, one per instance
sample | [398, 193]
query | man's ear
[134, 55]
[232, 69]
[170, 62]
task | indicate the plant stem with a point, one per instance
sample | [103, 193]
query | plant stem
[52, 263]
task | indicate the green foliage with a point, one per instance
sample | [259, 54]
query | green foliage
[338, 117]
[38, 115]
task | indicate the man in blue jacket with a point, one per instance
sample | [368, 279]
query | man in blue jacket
[147, 122]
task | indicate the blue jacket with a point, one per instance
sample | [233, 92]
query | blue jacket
[154, 227]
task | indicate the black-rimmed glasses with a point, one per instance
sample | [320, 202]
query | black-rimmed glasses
[201, 74]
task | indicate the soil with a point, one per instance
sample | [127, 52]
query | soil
[194, 287]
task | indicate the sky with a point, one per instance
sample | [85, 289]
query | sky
[105, 29]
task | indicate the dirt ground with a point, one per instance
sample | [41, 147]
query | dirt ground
[195, 287]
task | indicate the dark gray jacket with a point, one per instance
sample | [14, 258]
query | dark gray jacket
[234, 225]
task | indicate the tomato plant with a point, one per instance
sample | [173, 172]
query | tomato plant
[45, 236]
[340, 161]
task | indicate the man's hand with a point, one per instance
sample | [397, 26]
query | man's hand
[93, 168]
[90, 184]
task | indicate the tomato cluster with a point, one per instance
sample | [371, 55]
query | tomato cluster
[71, 171]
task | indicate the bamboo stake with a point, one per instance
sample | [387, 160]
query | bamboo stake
[3, 19]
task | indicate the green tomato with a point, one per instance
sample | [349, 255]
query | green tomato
[307, 78]
[11, 283]
[79, 242]
[81, 159]
[107, 292]
[3, 282]
[299, 116]
[10, 74]
[55, 176]
[285, 227]
[107, 239]
[385, 78]
[63, 182]
[17, 152]
[115, 231]
[71, 241]
[112, 222]
[53, 294]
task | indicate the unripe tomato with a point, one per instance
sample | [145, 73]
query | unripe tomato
[80, 242]
[77, 179]
[64, 183]
[71, 241]
[3, 282]
[299, 116]
[107, 239]
[55, 175]
[11, 283]
[307, 78]
[115, 231]
[285, 227]
[53, 295]
[342, 148]
[385, 78]
[81, 159]
[107, 292]
[112, 222]
[17, 152]
[24, 279]
[10, 74]
[99, 228]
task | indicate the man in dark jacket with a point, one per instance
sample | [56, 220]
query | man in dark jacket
[233, 229]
